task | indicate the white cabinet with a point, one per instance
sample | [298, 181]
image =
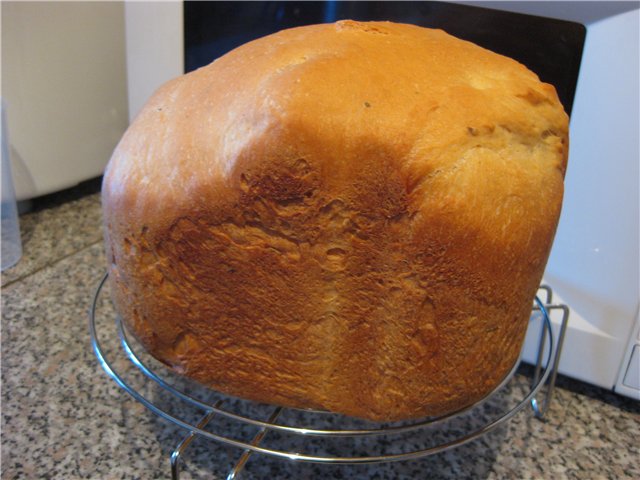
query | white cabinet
[64, 84]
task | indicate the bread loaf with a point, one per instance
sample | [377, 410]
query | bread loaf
[352, 217]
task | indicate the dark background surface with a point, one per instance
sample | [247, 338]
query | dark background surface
[549, 47]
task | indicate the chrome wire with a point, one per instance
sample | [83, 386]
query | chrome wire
[271, 425]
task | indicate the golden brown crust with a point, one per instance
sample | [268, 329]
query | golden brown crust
[352, 217]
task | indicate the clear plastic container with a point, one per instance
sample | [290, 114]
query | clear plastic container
[11, 242]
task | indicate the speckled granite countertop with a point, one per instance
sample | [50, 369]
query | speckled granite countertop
[62, 417]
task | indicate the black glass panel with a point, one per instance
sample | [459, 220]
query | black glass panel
[551, 48]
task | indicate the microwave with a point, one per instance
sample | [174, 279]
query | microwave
[588, 50]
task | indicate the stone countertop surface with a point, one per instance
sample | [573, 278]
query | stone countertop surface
[63, 417]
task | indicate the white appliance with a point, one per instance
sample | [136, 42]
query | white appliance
[64, 85]
[594, 265]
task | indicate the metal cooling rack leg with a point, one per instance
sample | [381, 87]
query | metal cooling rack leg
[539, 412]
[541, 342]
[547, 289]
[543, 333]
[186, 441]
[234, 474]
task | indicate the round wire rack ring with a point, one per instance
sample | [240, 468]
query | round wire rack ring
[309, 431]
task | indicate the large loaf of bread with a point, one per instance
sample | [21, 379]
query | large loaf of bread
[352, 217]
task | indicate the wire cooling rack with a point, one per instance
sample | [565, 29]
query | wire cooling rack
[308, 435]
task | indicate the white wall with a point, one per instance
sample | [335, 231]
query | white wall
[65, 87]
[155, 48]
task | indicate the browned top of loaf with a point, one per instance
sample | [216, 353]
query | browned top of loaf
[435, 102]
